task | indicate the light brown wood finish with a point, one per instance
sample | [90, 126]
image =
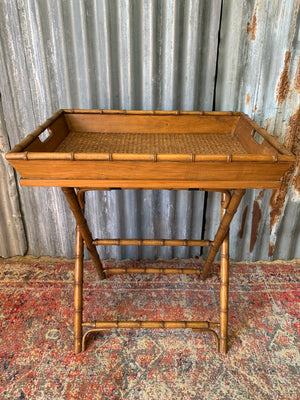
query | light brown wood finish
[224, 277]
[139, 184]
[249, 142]
[270, 139]
[32, 136]
[229, 204]
[166, 271]
[222, 230]
[100, 326]
[78, 283]
[215, 151]
[83, 227]
[151, 174]
[151, 324]
[244, 161]
[149, 112]
[118, 123]
[151, 242]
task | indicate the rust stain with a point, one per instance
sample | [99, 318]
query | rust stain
[295, 146]
[283, 86]
[297, 77]
[260, 194]
[296, 180]
[251, 29]
[248, 98]
[271, 249]
[267, 125]
[241, 232]
[278, 197]
[292, 143]
[254, 108]
[256, 217]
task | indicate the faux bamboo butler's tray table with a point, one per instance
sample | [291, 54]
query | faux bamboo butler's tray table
[225, 152]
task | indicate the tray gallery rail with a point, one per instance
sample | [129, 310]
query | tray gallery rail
[225, 152]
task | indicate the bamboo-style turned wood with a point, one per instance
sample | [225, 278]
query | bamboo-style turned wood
[151, 324]
[83, 227]
[151, 242]
[79, 338]
[154, 157]
[165, 271]
[98, 330]
[201, 326]
[149, 112]
[224, 277]
[228, 208]
[222, 230]
[101, 147]
[78, 301]
[80, 192]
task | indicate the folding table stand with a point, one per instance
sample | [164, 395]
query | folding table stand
[85, 150]
[229, 206]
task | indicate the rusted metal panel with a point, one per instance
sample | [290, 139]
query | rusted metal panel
[107, 54]
[258, 73]
[154, 54]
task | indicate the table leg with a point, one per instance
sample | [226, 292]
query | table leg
[224, 277]
[83, 227]
[78, 282]
[230, 210]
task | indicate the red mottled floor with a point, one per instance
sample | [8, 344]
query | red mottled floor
[36, 340]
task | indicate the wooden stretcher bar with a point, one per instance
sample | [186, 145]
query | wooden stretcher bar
[229, 206]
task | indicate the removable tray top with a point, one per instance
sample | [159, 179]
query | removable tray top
[150, 149]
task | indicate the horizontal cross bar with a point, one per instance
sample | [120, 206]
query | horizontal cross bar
[151, 324]
[132, 270]
[151, 242]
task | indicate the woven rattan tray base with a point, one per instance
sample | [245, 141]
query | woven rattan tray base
[150, 143]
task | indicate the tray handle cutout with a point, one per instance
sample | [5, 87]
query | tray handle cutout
[45, 135]
[257, 137]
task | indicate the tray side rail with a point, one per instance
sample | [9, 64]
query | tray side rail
[269, 144]
[33, 143]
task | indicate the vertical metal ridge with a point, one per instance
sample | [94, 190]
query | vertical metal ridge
[70, 46]
[170, 46]
[102, 54]
[190, 56]
[148, 54]
[81, 55]
[125, 44]
[12, 233]
[65, 91]
[35, 59]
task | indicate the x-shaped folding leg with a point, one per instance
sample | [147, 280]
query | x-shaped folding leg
[230, 204]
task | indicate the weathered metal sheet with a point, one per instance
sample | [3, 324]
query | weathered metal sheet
[107, 54]
[258, 73]
[12, 235]
[151, 54]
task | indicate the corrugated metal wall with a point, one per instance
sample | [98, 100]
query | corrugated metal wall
[143, 54]
[258, 71]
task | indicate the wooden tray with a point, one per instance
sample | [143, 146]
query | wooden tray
[150, 149]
